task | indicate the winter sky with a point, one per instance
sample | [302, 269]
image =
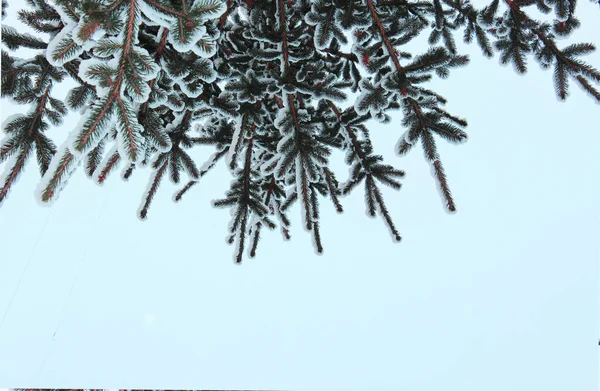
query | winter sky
[501, 295]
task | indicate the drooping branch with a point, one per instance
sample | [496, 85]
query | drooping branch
[431, 151]
[384, 37]
[207, 167]
[155, 182]
[297, 131]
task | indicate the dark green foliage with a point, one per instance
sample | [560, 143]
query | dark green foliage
[261, 82]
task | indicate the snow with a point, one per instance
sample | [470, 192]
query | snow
[124, 140]
[189, 43]
[160, 18]
[83, 73]
[243, 12]
[16, 32]
[64, 16]
[326, 37]
[170, 127]
[567, 14]
[175, 106]
[64, 35]
[158, 99]
[138, 96]
[280, 119]
[20, 61]
[208, 74]
[214, 15]
[98, 34]
[365, 91]
[11, 118]
[145, 73]
[502, 31]
[270, 165]
[184, 72]
[189, 92]
[217, 62]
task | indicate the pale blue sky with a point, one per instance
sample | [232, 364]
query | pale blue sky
[500, 296]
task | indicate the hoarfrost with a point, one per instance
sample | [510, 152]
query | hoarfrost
[563, 18]
[12, 118]
[160, 18]
[62, 39]
[13, 30]
[187, 45]
[129, 133]
[83, 24]
[205, 48]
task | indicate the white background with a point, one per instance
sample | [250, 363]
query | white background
[499, 296]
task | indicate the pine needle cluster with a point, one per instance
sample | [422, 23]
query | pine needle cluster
[263, 83]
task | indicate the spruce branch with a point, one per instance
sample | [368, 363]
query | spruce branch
[367, 167]
[211, 163]
[244, 197]
[297, 145]
[391, 51]
[25, 133]
[423, 124]
[161, 166]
